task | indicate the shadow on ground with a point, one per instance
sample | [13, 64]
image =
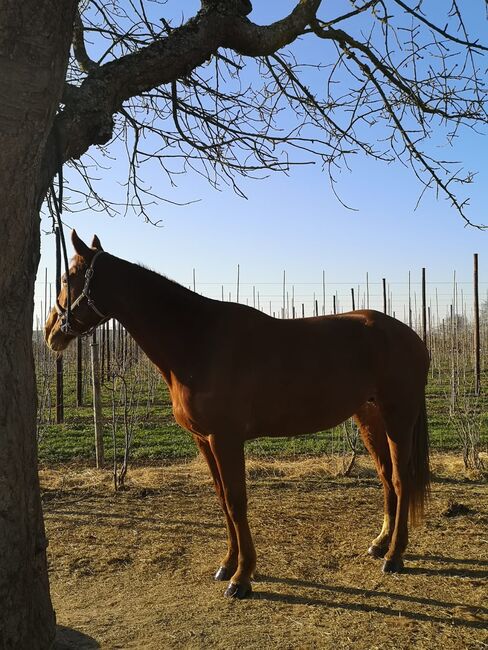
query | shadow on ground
[478, 613]
[68, 639]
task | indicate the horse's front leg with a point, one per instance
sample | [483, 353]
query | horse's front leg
[228, 565]
[229, 455]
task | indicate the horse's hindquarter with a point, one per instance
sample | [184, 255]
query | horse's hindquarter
[286, 377]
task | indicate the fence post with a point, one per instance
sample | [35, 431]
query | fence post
[477, 370]
[385, 304]
[284, 295]
[409, 301]
[114, 342]
[97, 405]
[59, 358]
[323, 293]
[102, 355]
[107, 338]
[424, 309]
[238, 282]
[79, 371]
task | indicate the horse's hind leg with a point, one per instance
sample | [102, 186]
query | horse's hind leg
[400, 418]
[400, 395]
[229, 563]
[400, 426]
[373, 433]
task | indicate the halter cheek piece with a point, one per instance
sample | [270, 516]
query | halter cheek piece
[66, 315]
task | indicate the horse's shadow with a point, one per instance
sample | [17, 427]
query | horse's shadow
[446, 560]
[330, 596]
[69, 639]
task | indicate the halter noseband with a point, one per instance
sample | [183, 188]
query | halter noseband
[66, 314]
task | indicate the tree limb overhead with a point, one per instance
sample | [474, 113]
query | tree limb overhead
[412, 70]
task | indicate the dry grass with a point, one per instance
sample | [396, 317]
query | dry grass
[134, 569]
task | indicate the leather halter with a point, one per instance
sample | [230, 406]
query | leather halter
[65, 315]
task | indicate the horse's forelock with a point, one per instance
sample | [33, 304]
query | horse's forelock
[76, 261]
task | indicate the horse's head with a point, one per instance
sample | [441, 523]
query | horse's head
[62, 326]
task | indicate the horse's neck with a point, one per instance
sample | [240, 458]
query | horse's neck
[164, 318]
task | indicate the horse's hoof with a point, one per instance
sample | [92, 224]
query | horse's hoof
[377, 551]
[393, 566]
[238, 591]
[223, 573]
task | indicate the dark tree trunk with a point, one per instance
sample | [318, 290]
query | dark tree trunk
[34, 46]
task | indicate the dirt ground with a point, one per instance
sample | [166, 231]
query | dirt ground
[134, 569]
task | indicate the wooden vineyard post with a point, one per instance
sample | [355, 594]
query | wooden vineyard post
[238, 282]
[108, 349]
[477, 370]
[102, 356]
[352, 298]
[385, 304]
[284, 295]
[323, 293]
[120, 345]
[59, 358]
[97, 404]
[409, 301]
[79, 371]
[424, 309]
[114, 344]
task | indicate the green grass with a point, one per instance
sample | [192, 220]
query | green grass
[157, 438]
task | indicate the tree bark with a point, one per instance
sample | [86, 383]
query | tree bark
[34, 47]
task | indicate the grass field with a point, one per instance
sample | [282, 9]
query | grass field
[156, 436]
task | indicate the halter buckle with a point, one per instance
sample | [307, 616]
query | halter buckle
[65, 326]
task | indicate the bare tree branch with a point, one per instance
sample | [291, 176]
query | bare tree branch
[176, 95]
[89, 120]
[86, 64]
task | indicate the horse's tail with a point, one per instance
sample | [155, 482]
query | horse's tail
[419, 467]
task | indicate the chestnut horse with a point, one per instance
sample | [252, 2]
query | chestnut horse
[235, 373]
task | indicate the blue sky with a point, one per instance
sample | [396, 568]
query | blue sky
[295, 223]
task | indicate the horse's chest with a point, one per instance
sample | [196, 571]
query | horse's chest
[191, 410]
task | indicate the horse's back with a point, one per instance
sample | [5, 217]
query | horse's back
[267, 376]
[284, 377]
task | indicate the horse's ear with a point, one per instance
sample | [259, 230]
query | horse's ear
[80, 247]
[96, 243]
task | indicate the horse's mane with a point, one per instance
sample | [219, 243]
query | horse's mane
[155, 281]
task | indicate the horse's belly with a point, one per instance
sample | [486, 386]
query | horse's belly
[292, 423]
[297, 413]
[286, 418]
[269, 410]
